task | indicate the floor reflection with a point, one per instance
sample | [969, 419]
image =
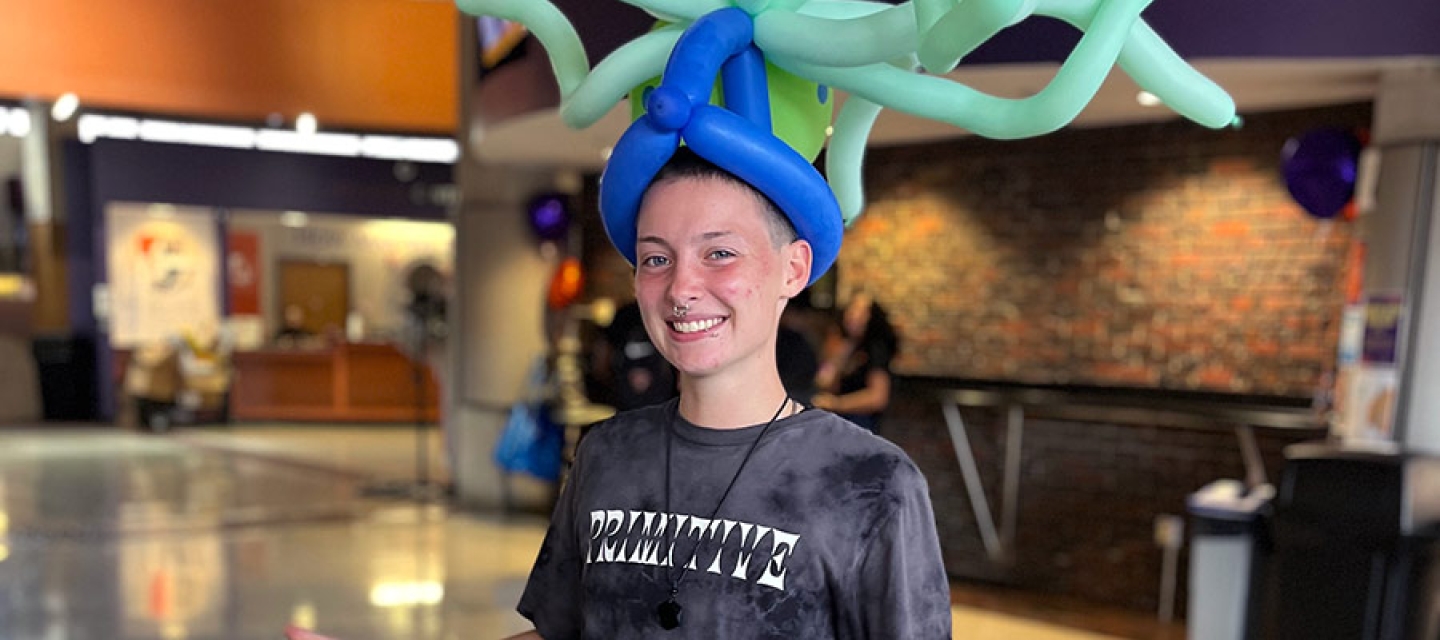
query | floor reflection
[108, 535]
[235, 533]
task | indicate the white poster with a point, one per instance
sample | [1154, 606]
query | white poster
[163, 266]
[1368, 414]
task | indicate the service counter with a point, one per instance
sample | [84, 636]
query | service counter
[343, 382]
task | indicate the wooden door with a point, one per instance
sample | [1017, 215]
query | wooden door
[321, 290]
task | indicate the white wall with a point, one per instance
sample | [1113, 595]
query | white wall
[379, 253]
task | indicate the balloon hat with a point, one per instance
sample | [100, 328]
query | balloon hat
[736, 138]
[879, 54]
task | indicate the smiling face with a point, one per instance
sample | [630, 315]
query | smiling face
[707, 242]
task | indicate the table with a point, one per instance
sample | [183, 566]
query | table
[1092, 407]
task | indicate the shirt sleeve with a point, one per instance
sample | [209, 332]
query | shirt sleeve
[552, 596]
[905, 592]
[878, 355]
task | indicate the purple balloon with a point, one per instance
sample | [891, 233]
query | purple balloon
[550, 216]
[1320, 168]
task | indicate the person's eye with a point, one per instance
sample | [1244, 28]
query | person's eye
[654, 261]
[722, 254]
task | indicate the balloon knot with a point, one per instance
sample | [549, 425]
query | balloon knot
[669, 108]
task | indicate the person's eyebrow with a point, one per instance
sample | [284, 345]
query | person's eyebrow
[711, 235]
[708, 235]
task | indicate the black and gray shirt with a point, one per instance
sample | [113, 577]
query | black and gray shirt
[828, 533]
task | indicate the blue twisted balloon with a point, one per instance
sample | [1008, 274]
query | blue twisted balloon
[737, 138]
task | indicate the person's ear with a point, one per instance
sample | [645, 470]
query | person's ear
[797, 257]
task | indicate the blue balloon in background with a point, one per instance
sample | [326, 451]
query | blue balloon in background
[550, 216]
[1320, 169]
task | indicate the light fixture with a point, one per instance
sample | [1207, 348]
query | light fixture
[294, 219]
[416, 149]
[65, 107]
[1147, 99]
[91, 127]
[306, 124]
[17, 122]
[209, 135]
[328, 144]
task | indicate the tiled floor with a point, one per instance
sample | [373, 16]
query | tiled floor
[234, 533]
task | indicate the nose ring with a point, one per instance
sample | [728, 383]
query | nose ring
[680, 310]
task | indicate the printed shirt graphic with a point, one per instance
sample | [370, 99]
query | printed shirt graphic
[828, 533]
[648, 538]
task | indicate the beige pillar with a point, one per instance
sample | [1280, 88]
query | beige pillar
[1402, 267]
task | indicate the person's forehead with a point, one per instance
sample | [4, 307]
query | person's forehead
[712, 203]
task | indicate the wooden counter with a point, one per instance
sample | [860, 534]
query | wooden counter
[339, 383]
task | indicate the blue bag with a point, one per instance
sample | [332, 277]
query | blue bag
[531, 442]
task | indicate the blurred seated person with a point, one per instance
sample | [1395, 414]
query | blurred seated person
[292, 331]
[640, 376]
[854, 378]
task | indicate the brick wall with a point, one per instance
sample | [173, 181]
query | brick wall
[1156, 256]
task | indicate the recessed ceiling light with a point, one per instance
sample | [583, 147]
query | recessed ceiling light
[1147, 99]
[306, 123]
[65, 106]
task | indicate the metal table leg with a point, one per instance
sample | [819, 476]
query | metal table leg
[1014, 430]
[971, 474]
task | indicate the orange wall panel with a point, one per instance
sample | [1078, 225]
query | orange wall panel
[369, 64]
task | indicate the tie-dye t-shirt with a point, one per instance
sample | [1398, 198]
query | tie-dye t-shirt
[828, 533]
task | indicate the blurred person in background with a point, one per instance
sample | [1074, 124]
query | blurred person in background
[854, 378]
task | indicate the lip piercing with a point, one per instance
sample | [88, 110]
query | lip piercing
[680, 310]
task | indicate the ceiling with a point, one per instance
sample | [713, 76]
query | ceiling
[1257, 85]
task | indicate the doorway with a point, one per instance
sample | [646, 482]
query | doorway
[320, 290]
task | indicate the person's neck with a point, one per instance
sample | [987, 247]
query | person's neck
[718, 403]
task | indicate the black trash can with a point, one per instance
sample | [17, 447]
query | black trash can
[1356, 538]
[66, 366]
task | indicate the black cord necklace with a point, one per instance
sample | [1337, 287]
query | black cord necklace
[669, 611]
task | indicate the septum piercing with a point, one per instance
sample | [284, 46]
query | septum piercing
[680, 310]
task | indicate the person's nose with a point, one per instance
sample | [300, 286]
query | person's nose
[685, 283]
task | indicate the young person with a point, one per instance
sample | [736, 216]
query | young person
[733, 511]
[855, 377]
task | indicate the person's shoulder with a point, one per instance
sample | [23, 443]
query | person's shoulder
[853, 445]
[627, 427]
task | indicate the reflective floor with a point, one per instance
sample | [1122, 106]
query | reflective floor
[236, 533]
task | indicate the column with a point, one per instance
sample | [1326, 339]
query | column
[1402, 268]
[498, 325]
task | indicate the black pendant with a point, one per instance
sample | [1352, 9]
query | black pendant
[669, 614]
